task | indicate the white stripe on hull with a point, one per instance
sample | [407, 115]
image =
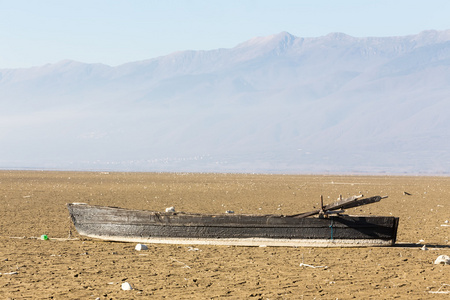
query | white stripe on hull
[251, 241]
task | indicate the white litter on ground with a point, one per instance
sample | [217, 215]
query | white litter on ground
[126, 286]
[442, 259]
[140, 247]
[185, 265]
[439, 291]
[311, 266]
[170, 209]
[193, 249]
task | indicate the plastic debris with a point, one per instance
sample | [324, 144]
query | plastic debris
[44, 237]
[140, 247]
[442, 259]
[185, 265]
[424, 247]
[126, 286]
[311, 266]
[440, 291]
[229, 212]
[170, 209]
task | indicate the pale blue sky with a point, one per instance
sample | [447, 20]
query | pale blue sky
[36, 32]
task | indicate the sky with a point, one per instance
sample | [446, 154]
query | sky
[113, 32]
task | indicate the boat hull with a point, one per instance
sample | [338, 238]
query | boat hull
[118, 224]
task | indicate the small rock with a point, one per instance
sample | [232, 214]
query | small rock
[126, 286]
[140, 247]
[442, 259]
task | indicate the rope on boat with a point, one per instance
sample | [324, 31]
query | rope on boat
[331, 226]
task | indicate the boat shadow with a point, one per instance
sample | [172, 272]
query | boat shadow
[419, 246]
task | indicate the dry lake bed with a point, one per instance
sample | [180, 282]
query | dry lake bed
[68, 266]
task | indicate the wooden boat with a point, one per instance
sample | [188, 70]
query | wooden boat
[329, 229]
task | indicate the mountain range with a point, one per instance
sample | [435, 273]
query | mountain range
[274, 104]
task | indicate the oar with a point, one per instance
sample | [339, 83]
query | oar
[342, 204]
[364, 202]
[333, 206]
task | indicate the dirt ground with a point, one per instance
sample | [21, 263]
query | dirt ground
[33, 203]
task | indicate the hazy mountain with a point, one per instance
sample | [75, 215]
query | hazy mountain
[271, 104]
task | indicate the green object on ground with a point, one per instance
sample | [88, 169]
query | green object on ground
[44, 237]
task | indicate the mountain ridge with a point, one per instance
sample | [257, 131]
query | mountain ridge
[349, 104]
